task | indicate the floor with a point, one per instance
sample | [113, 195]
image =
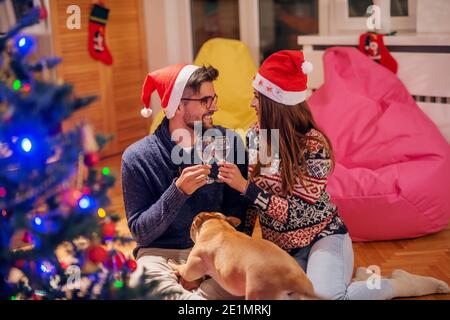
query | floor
[428, 256]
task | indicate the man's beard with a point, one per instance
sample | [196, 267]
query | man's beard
[206, 120]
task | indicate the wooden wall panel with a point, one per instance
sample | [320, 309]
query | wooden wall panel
[118, 87]
[129, 70]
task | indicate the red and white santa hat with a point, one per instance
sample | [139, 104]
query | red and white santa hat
[170, 83]
[283, 77]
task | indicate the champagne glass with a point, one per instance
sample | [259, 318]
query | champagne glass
[207, 153]
[223, 147]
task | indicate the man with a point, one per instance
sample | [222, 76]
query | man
[162, 195]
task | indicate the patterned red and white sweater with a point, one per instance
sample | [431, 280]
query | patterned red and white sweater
[304, 216]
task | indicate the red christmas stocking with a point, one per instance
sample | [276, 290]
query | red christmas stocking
[372, 45]
[97, 30]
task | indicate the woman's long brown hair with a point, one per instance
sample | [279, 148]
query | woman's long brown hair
[293, 123]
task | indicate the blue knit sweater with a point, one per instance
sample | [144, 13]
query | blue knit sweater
[160, 215]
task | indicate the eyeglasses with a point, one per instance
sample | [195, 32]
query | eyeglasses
[206, 101]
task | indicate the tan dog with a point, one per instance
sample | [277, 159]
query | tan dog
[244, 266]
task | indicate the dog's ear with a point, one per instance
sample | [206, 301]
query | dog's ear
[211, 215]
[233, 221]
[198, 221]
[196, 224]
[203, 216]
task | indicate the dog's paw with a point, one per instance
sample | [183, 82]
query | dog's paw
[191, 285]
[175, 267]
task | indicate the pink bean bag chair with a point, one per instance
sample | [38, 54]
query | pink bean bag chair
[392, 175]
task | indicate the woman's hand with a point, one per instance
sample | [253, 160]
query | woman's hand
[230, 174]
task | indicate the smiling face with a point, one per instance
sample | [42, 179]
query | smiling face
[202, 109]
[255, 104]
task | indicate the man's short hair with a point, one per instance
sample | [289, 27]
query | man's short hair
[204, 74]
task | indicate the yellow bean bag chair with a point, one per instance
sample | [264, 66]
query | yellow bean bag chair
[236, 71]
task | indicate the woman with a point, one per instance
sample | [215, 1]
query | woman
[289, 195]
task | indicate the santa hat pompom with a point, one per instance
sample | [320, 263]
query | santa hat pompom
[307, 67]
[146, 112]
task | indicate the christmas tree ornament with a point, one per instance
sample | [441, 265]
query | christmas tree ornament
[2, 192]
[108, 230]
[132, 265]
[91, 159]
[101, 213]
[71, 196]
[25, 44]
[26, 236]
[20, 264]
[86, 203]
[38, 295]
[26, 144]
[90, 146]
[17, 84]
[26, 88]
[106, 171]
[97, 34]
[43, 14]
[46, 268]
[97, 254]
[115, 261]
[64, 265]
[118, 284]
[47, 224]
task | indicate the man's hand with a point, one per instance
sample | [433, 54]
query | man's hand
[193, 178]
[230, 174]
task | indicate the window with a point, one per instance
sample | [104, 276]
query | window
[399, 8]
[282, 21]
[349, 16]
[214, 18]
[358, 8]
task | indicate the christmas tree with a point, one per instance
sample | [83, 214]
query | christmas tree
[56, 236]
